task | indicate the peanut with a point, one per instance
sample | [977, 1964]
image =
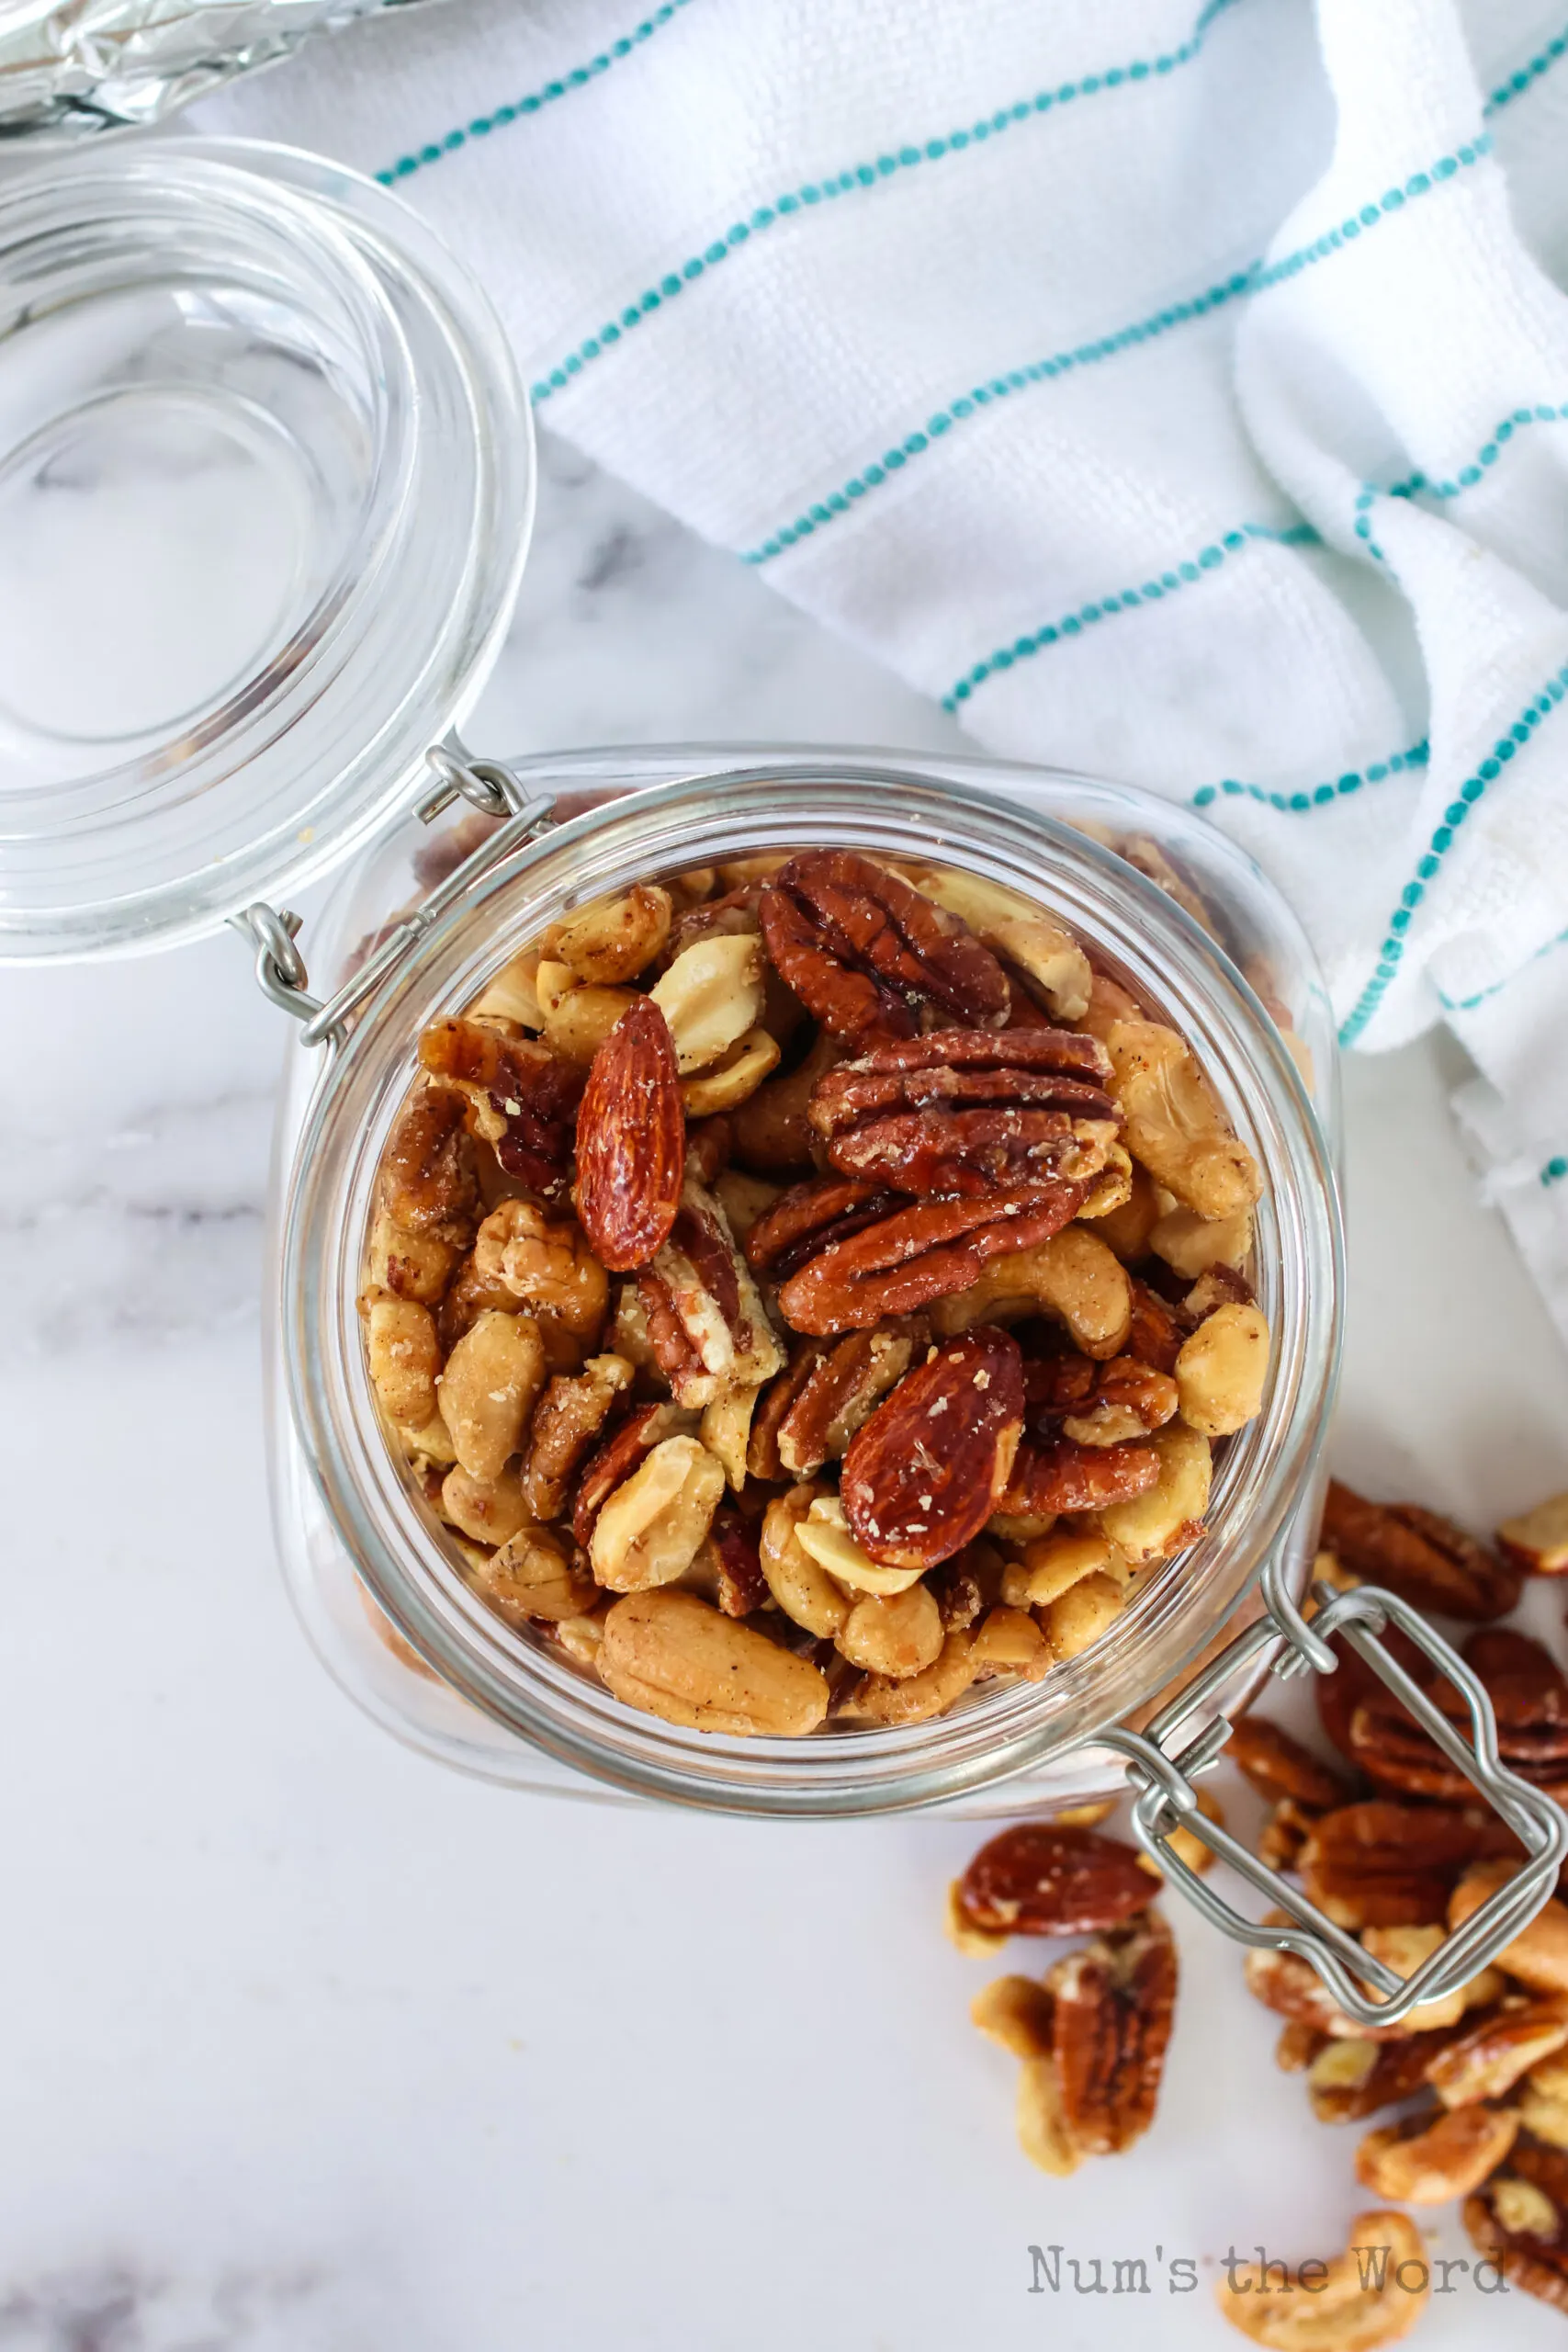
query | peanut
[1010, 1641]
[1078, 1618]
[711, 996]
[490, 1510]
[653, 1527]
[733, 1078]
[512, 995]
[1052, 1563]
[1191, 1244]
[576, 1018]
[616, 938]
[532, 1577]
[674, 1657]
[824, 1532]
[897, 1634]
[404, 1358]
[493, 1379]
[727, 1427]
[1220, 1371]
[804, 1589]
[1152, 1525]
[884, 1699]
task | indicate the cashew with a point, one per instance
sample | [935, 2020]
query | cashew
[1007, 922]
[531, 1578]
[1126, 1229]
[881, 1699]
[674, 1657]
[824, 1534]
[575, 1018]
[402, 1264]
[733, 1078]
[1043, 2132]
[1537, 1955]
[1524, 2210]
[1152, 1525]
[1341, 2307]
[404, 1358]
[1072, 1276]
[615, 939]
[1191, 1244]
[489, 1389]
[490, 1510]
[727, 1428]
[1010, 1641]
[1173, 1123]
[1078, 1618]
[549, 1268]
[1051, 1563]
[899, 1634]
[1449, 2156]
[1220, 1371]
[1014, 2011]
[512, 995]
[974, 1943]
[652, 1527]
[804, 1589]
[711, 995]
[1403, 1949]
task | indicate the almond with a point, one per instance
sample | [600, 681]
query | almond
[631, 1141]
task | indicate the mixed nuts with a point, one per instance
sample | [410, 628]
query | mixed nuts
[803, 1289]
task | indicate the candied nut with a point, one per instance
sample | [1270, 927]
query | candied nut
[1048, 1479]
[1022, 933]
[490, 1510]
[1518, 2221]
[613, 1462]
[1404, 1950]
[512, 995]
[1283, 1835]
[897, 1634]
[840, 1388]
[427, 1168]
[974, 1943]
[707, 1324]
[773, 1127]
[430, 1443]
[1152, 1525]
[519, 1096]
[727, 1430]
[469, 1295]
[1010, 1641]
[1220, 1371]
[1370, 2295]
[824, 1532]
[1541, 2102]
[404, 1358]
[488, 1390]
[733, 1078]
[1041, 1878]
[1126, 1227]
[1193, 1245]
[1425, 2162]
[924, 1474]
[805, 1220]
[533, 1578]
[615, 939]
[801, 1586]
[1053, 1563]
[1069, 1275]
[672, 1656]
[1382, 1865]
[631, 1142]
[1127, 1401]
[1155, 1332]
[708, 1144]
[577, 1017]
[579, 1637]
[969, 1111]
[864, 951]
[1043, 2132]
[1082, 1615]
[884, 1699]
[1537, 1541]
[1109, 1002]
[567, 1419]
[1505, 2043]
[651, 1528]
[1114, 2005]
[711, 995]
[1293, 1988]
[548, 1267]
[1529, 1701]
[965, 1585]
[1358, 2075]
[1014, 2011]
[740, 1583]
[1276, 1765]
[1174, 1125]
[1296, 2048]
[405, 1264]
[743, 1200]
[1538, 1956]
[1418, 1555]
[903, 1258]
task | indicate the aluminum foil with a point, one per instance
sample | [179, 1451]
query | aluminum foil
[68, 67]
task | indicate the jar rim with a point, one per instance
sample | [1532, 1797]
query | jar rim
[295, 334]
[1171, 963]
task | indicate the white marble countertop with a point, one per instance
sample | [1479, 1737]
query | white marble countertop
[308, 2044]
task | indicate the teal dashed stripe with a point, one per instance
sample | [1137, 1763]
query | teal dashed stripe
[1169, 584]
[1554, 1170]
[1468, 1004]
[1421, 485]
[1255, 278]
[1319, 795]
[813, 194]
[483, 124]
[1473, 789]
[1528, 76]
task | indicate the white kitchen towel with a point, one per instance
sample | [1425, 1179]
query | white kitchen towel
[1176, 392]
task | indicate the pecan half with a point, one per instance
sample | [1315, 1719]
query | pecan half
[742, 1587]
[1519, 2220]
[1418, 1555]
[428, 1179]
[864, 951]
[631, 1141]
[1529, 1698]
[1351, 2078]
[833, 1390]
[1115, 2004]
[1277, 1766]
[1071, 1396]
[567, 1419]
[919, 1252]
[707, 1325]
[521, 1097]
[1383, 1865]
[811, 1217]
[1067, 1476]
[1041, 1878]
[969, 1111]
[922, 1475]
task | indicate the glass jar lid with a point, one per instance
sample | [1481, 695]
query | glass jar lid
[266, 483]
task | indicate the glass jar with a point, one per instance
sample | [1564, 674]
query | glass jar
[265, 490]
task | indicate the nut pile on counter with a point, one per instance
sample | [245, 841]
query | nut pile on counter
[808, 1288]
[1467, 2100]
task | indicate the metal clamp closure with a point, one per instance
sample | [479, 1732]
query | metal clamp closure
[280, 966]
[1161, 1771]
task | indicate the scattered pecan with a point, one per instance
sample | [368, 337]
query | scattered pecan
[1043, 1879]
[864, 951]
[1351, 2078]
[969, 1111]
[922, 1475]
[631, 1141]
[1535, 1542]
[1519, 2220]
[1529, 1698]
[1427, 2159]
[427, 1173]
[1277, 1766]
[1382, 1865]
[614, 1461]
[917, 1253]
[1063, 1476]
[1418, 1555]
[1489, 2056]
[1339, 1694]
[773, 1406]
[1114, 2005]
[1286, 1831]
[832, 1392]
[1157, 1330]
[521, 1097]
